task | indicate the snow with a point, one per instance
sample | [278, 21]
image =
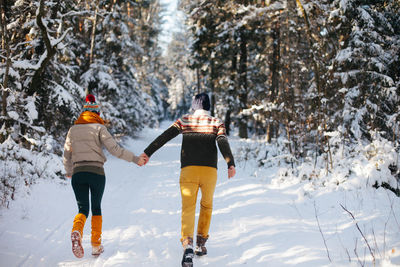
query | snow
[172, 22]
[344, 54]
[62, 95]
[258, 218]
[366, 17]
[18, 3]
[12, 25]
[30, 108]
[57, 41]
[13, 115]
[344, 4]
[26, 64]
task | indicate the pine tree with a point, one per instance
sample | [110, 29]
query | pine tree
[364, 66]
[180, 78]
[52, 52]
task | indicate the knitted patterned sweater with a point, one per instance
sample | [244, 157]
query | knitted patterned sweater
[200, 133]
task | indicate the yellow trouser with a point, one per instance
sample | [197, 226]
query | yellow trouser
[192, 178]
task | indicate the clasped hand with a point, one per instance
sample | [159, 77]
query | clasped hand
[143, 159]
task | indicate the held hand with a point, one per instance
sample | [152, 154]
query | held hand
[143, 159]
[140, 162]
[231, 172]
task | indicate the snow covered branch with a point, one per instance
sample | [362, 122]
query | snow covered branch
[43, 29]
[50, 48]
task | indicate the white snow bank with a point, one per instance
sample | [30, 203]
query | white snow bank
[259, 219]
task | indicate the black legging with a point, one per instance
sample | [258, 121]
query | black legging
[82, 182]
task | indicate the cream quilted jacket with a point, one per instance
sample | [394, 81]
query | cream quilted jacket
[84, 143]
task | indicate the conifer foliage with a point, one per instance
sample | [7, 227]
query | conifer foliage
[300, 69]
[309, 76]
[52, 53]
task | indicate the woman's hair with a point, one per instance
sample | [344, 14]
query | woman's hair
[201, 101]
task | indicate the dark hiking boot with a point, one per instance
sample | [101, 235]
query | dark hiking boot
[200, 249]
[187, 259]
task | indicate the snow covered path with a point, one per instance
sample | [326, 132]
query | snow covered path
[255, 223]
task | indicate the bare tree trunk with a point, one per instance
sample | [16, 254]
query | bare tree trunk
[7, 61]
[212, 87]
[227, 121]
[232, 88]
[314, 62]
[5, 47]
[243, 86]
[316, 70]
[275, 69]
[276, 43]
[198, 80]
[310, 42]
[94, 20]
[36, 85]
[50, 50]
[5, 82]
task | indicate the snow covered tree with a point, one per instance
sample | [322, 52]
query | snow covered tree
[283, 65]
[54, 58]
[113, 70]
[52, 52]
[179, 77]
[366, 67]
[228, 37]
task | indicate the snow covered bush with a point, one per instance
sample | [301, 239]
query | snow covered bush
[359, 165]
[263, 154]
[348, 166]
[21, 167]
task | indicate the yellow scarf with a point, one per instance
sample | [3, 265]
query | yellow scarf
[89, 117]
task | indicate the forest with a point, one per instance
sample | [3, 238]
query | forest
[315, 79]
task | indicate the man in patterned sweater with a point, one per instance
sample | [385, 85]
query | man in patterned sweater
[199, 159]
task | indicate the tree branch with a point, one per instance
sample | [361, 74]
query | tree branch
[50, 49]
[362, 234]
[323, 237]
[43, 29]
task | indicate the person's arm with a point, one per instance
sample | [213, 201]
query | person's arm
[112, 146]
[225, 149]
[226, 152]
[223, 145]
[163, 138]
[67, 159]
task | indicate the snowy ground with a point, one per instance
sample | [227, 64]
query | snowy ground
[255, 222]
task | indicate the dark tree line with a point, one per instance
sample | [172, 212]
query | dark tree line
[292, 69]
[51, 54]
[299, 69]
[54, 51]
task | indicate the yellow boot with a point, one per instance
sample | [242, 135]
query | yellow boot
[76, 235]
[97, 222]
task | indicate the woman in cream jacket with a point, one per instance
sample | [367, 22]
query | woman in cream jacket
[83, 161]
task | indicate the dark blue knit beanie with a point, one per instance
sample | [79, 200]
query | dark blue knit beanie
[201, 101]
